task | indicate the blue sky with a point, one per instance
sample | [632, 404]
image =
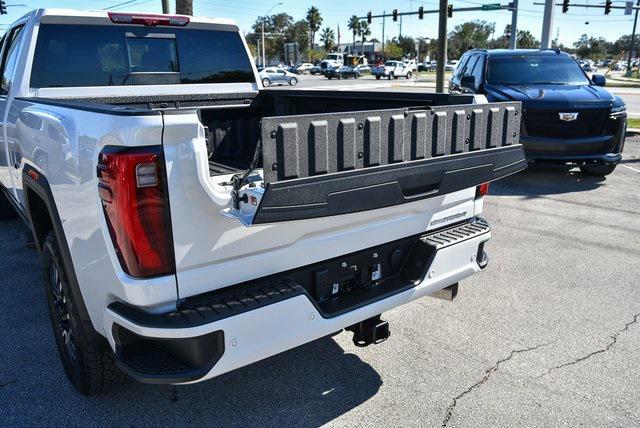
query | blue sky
[336, 12]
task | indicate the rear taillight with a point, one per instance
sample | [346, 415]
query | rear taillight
[150, 20]
[482, 190]
[133, 190]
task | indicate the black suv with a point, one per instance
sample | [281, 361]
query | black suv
[567, 117]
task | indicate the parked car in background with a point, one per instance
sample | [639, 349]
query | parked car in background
[451, 65]
[277, 76]
[363, 69]
[589, 68]
[410, 64]
[303, 68]
[341, 72]
[392, 70]
[567, 118]
[316, 69]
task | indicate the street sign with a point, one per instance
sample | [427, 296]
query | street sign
[491, 6]
[628, 7]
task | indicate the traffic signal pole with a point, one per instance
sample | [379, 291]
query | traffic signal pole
[442, 45]
[514, 25]
[633, 42]
[547, 24]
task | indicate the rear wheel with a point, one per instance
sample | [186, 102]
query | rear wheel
[391, 76]
[597, 170]
[409, 75]
[377, 77]
[266, 82]
[6, 210]
[87, 359]
[293, 81]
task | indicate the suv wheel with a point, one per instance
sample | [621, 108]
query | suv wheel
[391, 76]
[293, 81]
[597, 170]
[408, 75]
[87, 359]
[266, 82]
[6, 210]
[377, 77]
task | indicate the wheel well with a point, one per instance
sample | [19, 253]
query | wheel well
[40, 217]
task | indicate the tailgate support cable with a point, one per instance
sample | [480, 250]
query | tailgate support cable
[239, 180]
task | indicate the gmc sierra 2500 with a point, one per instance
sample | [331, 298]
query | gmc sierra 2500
[191, 222]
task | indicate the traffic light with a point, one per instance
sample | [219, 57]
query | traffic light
[369, 18]
[450, 11]
[607, 7]
[420, 12]
[395, 14]
[3, 7]
[565, 6]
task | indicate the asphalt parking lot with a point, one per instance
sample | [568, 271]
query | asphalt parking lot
[547, 335]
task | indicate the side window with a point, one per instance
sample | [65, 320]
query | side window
[477, 69]
[461, 65]
[10, 59]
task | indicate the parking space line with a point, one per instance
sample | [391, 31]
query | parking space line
[631, 168]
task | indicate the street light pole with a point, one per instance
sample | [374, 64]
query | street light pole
[547, 24]
[514, 25]
[263, 18]
[442, 45]
[165, 6]
[633, 41]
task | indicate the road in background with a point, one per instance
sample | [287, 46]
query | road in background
[547, 335]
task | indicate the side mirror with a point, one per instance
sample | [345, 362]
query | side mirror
[599, 80]
[468, 82]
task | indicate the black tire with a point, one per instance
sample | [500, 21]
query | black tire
[86, 357]
[409, 75]
[266, 82]
[293, 81]
[391, 76]
[377, 77]
[6, 209]
[597, 170]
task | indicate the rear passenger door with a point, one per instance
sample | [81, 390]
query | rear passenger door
[10, 53]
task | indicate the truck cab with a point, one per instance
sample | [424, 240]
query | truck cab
[568, 117]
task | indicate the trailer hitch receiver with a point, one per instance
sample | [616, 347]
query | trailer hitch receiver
[370, 331]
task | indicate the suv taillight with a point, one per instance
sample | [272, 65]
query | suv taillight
[133, 190]
[482, 190]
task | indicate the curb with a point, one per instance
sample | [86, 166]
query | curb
[631, 132]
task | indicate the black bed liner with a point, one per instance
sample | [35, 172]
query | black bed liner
[339, 163]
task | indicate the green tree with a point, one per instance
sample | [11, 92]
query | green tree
[364, 31]
[298, 32]
[354, 26]
[315, 20]
[392, 50]
[275, 28]
[315, 55]
[473, 34]
[328, 38]
[591, 47]
[408, 45]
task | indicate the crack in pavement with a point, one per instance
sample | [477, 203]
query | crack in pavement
[614, 340]
[487, 374]
[7, 383]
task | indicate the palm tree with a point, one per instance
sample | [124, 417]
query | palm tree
[184, 7]
[328, 38]
[354, 26]
[315, 20]
[364, 31]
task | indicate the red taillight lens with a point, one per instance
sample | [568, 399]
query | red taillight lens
[482, 190]
[132, 187]
[149, 20]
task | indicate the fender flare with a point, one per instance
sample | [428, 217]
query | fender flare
[35, 181]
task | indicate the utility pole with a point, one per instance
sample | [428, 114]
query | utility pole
[547, 24]
[384, 13]
[184, 7]
[165, 6]
[633, 42]
[442, 45]
[400, 25]
[514, 25]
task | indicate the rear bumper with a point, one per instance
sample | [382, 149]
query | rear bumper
[189, 346]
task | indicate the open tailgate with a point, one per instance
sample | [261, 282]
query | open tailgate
[338, 163]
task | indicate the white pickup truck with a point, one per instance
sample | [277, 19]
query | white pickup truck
[191, 222]
[392, 70]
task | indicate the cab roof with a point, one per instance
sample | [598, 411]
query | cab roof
[517, 52]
